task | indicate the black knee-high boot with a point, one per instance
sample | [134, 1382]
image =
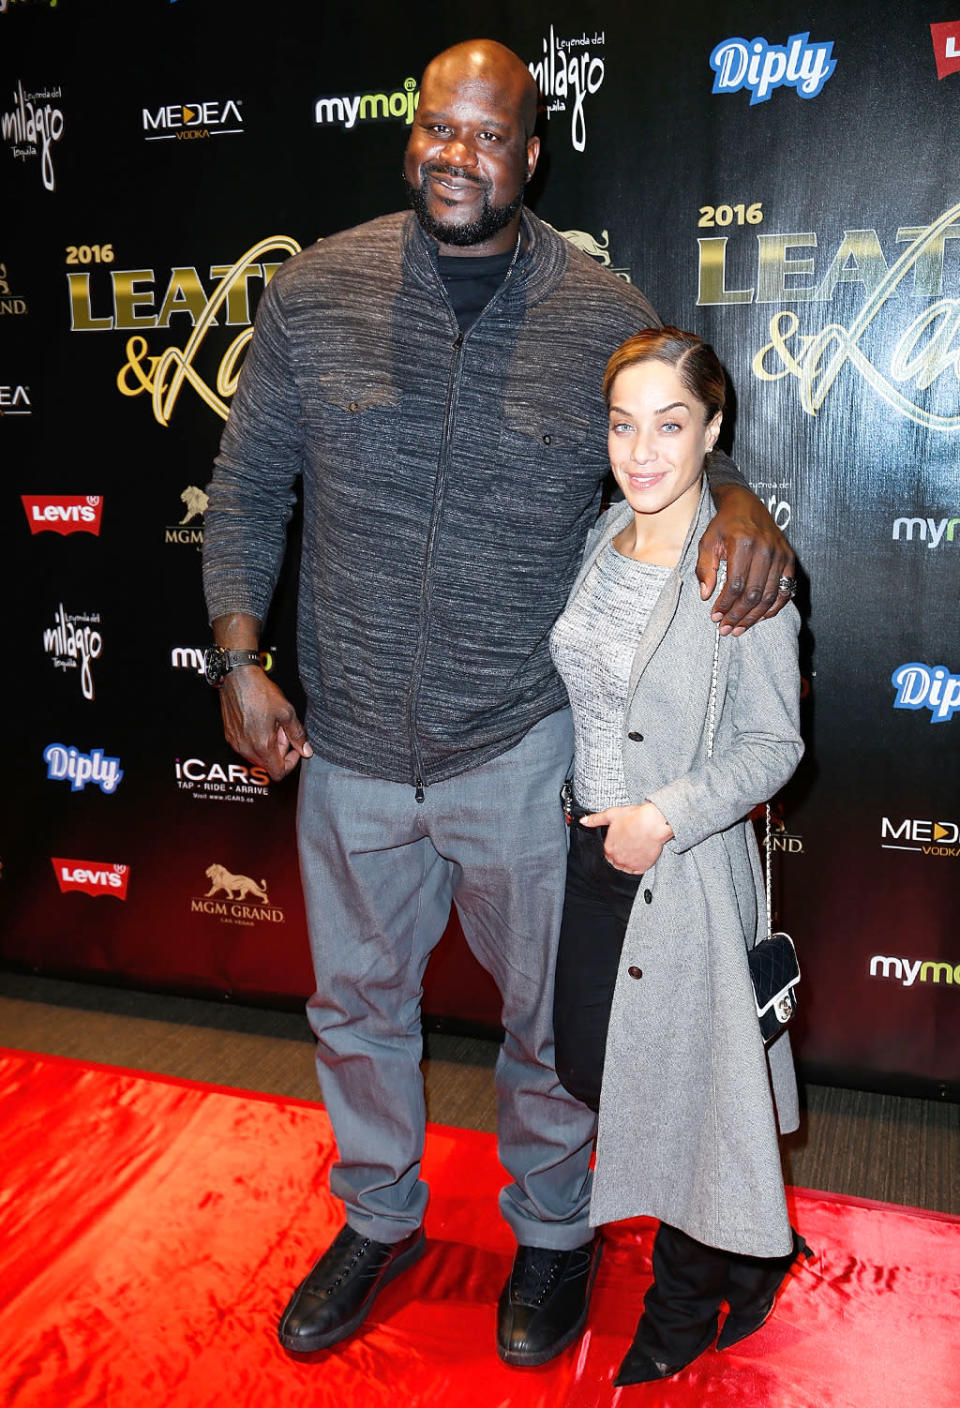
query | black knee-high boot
[752, 1289]
[680, 1310]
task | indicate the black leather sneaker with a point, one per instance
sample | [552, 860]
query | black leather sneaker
[336, 1297]
[543, 1306]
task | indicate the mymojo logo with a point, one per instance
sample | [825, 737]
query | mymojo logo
[911, 970]
[188, 657]
[236, 899]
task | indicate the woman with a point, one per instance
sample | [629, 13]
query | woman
[664, 889]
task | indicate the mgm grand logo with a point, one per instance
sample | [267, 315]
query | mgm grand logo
[188, 532]
[598, 249]
[236, 899]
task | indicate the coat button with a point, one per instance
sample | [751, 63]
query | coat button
[635, 737]
[647, 897]
[548, 439]
[354, 406]
[634, 971]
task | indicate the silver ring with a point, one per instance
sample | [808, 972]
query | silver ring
[787, 586]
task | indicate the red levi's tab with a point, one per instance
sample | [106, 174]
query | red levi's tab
[91, 877]
[946, 47]
[63, 513]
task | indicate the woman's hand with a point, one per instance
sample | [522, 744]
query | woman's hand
[635, 835]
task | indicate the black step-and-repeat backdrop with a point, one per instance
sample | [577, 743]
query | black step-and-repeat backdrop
[781, 178]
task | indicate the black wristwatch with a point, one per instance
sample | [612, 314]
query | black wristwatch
[218, 662]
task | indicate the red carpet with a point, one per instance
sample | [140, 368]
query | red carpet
[152, 1230]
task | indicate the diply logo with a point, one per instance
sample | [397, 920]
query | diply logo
[91, 877]
[15, 401]
[32, 126]
[930, 687]
[69, 764]
[762, 67]
[221, 782]
[946, 47]
[929, 838]
[236, 899]
[178, 122]
[63, 513]
[908, 970]
[9, 302]
[348, 110]
[566, 73]
[932, 531]
[74, 643]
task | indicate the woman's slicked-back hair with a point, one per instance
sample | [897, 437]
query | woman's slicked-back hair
[694, 361]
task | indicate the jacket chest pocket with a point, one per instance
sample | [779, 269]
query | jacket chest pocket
[551, 437]
[355, 423]
[556, 458]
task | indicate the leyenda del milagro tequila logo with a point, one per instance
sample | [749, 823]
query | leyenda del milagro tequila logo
[567, 72]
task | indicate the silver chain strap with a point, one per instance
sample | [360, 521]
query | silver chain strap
[711, 725]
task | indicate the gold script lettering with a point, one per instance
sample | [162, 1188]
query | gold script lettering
[179, 363]
[817, 360]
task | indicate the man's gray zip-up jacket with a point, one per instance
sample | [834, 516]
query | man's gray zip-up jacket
[449, 482]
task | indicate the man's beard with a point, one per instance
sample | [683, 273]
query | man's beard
[489, 222]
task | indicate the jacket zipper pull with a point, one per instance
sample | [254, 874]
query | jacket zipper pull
[457, 342]
[418, 795]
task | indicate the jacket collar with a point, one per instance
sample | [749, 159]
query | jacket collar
[540, 264]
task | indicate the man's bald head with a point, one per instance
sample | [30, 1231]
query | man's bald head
[472, 148]
[495, 63]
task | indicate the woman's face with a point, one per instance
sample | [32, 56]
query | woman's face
[657, 438]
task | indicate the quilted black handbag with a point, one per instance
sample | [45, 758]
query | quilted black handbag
[775, 972]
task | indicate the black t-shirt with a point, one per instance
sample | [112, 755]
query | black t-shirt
[471, 281]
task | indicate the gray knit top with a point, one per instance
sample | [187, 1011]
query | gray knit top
[593, 646]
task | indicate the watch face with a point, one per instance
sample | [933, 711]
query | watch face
[216, 666]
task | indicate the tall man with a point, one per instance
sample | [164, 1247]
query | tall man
[434, 377]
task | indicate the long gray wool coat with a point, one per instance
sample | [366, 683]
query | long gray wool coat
[688, 1130]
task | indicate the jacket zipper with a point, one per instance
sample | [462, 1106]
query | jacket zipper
[449, 416]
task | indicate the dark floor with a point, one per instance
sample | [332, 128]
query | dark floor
[887, 1147]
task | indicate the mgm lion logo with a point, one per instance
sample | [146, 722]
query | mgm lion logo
[598, 249]
[235, 887]
[195, 501]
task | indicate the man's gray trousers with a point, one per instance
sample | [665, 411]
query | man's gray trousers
[379, 872]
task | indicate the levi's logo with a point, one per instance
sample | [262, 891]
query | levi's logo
[92, 877]
[946, 47]
[63, 513]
